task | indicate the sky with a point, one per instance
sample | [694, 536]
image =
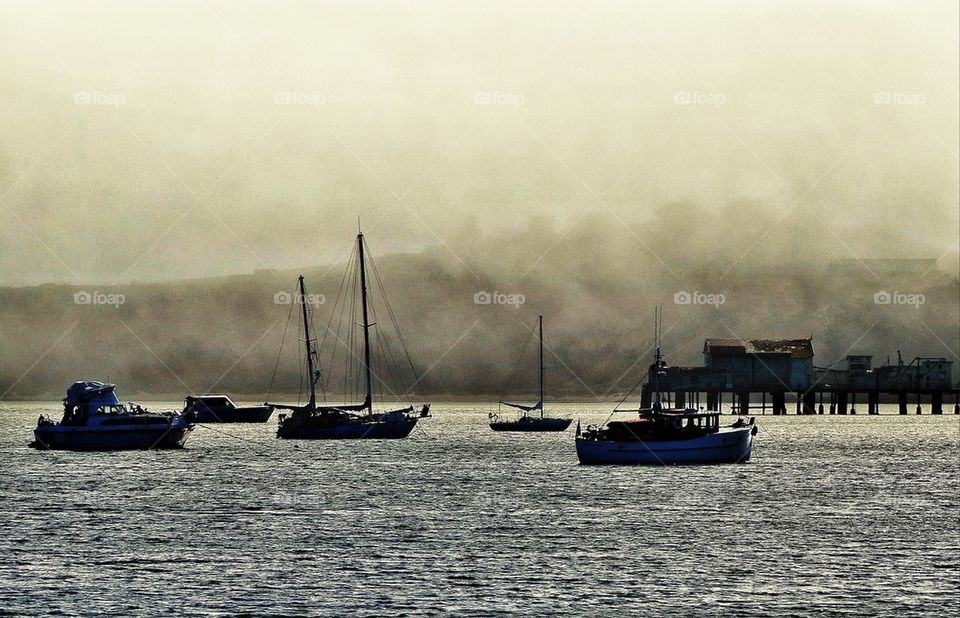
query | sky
[159, 141]
[595, 159]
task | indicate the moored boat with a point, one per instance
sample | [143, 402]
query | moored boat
[667, 436]
[660, 435]
[525, 421]
[95, 420]
[346, 421]
[222, 409]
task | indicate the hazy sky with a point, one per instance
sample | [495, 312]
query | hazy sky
[157, 140]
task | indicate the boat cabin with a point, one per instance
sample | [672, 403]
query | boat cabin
[209, 402]
[664, 424]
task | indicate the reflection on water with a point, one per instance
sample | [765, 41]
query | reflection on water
[833, 514]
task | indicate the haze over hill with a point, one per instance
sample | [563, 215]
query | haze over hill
[596, 289]
[596, 158]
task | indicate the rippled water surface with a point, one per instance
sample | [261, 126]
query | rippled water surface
[834, 515]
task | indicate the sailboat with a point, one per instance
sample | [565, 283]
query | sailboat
[660, 435]
[343, 421]
[527, 421]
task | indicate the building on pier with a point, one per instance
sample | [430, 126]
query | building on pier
[778, 367]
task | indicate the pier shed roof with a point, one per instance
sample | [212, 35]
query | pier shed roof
[796, 348]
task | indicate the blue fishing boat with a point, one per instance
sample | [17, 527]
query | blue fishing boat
[95, 420]
[660, 435]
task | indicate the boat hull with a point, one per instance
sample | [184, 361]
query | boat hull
[724, 446]
[533, 425]
[87, 439]
[383, 430]
[253, 414]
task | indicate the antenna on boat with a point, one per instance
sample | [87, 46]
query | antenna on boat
[657, 333]
[541, 366]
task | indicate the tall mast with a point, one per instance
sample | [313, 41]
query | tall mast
[306, 335]
[366, 324]
[541, 366]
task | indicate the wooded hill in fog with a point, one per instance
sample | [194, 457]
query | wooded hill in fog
[596, 284]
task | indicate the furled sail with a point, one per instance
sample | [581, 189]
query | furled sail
[536, 406]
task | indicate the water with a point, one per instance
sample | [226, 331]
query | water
[834, 515]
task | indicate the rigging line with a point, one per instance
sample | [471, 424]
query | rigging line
[394, 366]
[329, 329]
[300, 366]
[333, 314]
[381, 346]
[315, 351]
[393, 317]
[350, 378]
[389, 364]
[276, 365]
[517, 365]
[342, 301]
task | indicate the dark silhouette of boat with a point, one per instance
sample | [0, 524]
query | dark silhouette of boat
[526, 421]
[659, 435]
[95, 420]
[222, 409]
[344, 421]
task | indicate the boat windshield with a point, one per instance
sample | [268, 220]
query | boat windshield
[113, 409]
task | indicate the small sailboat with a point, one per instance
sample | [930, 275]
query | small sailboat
[95, 420]
[348, 420]
[526, 421]
[660, 435]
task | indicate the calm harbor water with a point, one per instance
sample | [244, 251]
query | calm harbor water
[834, 515]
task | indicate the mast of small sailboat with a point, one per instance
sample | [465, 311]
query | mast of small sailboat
[366, 325]
[541, 366]
[306, 335]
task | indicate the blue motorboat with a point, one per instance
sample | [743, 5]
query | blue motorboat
[95, 420]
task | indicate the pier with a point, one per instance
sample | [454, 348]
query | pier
[762, 374]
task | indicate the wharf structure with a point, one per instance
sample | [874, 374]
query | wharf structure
[771, 368]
